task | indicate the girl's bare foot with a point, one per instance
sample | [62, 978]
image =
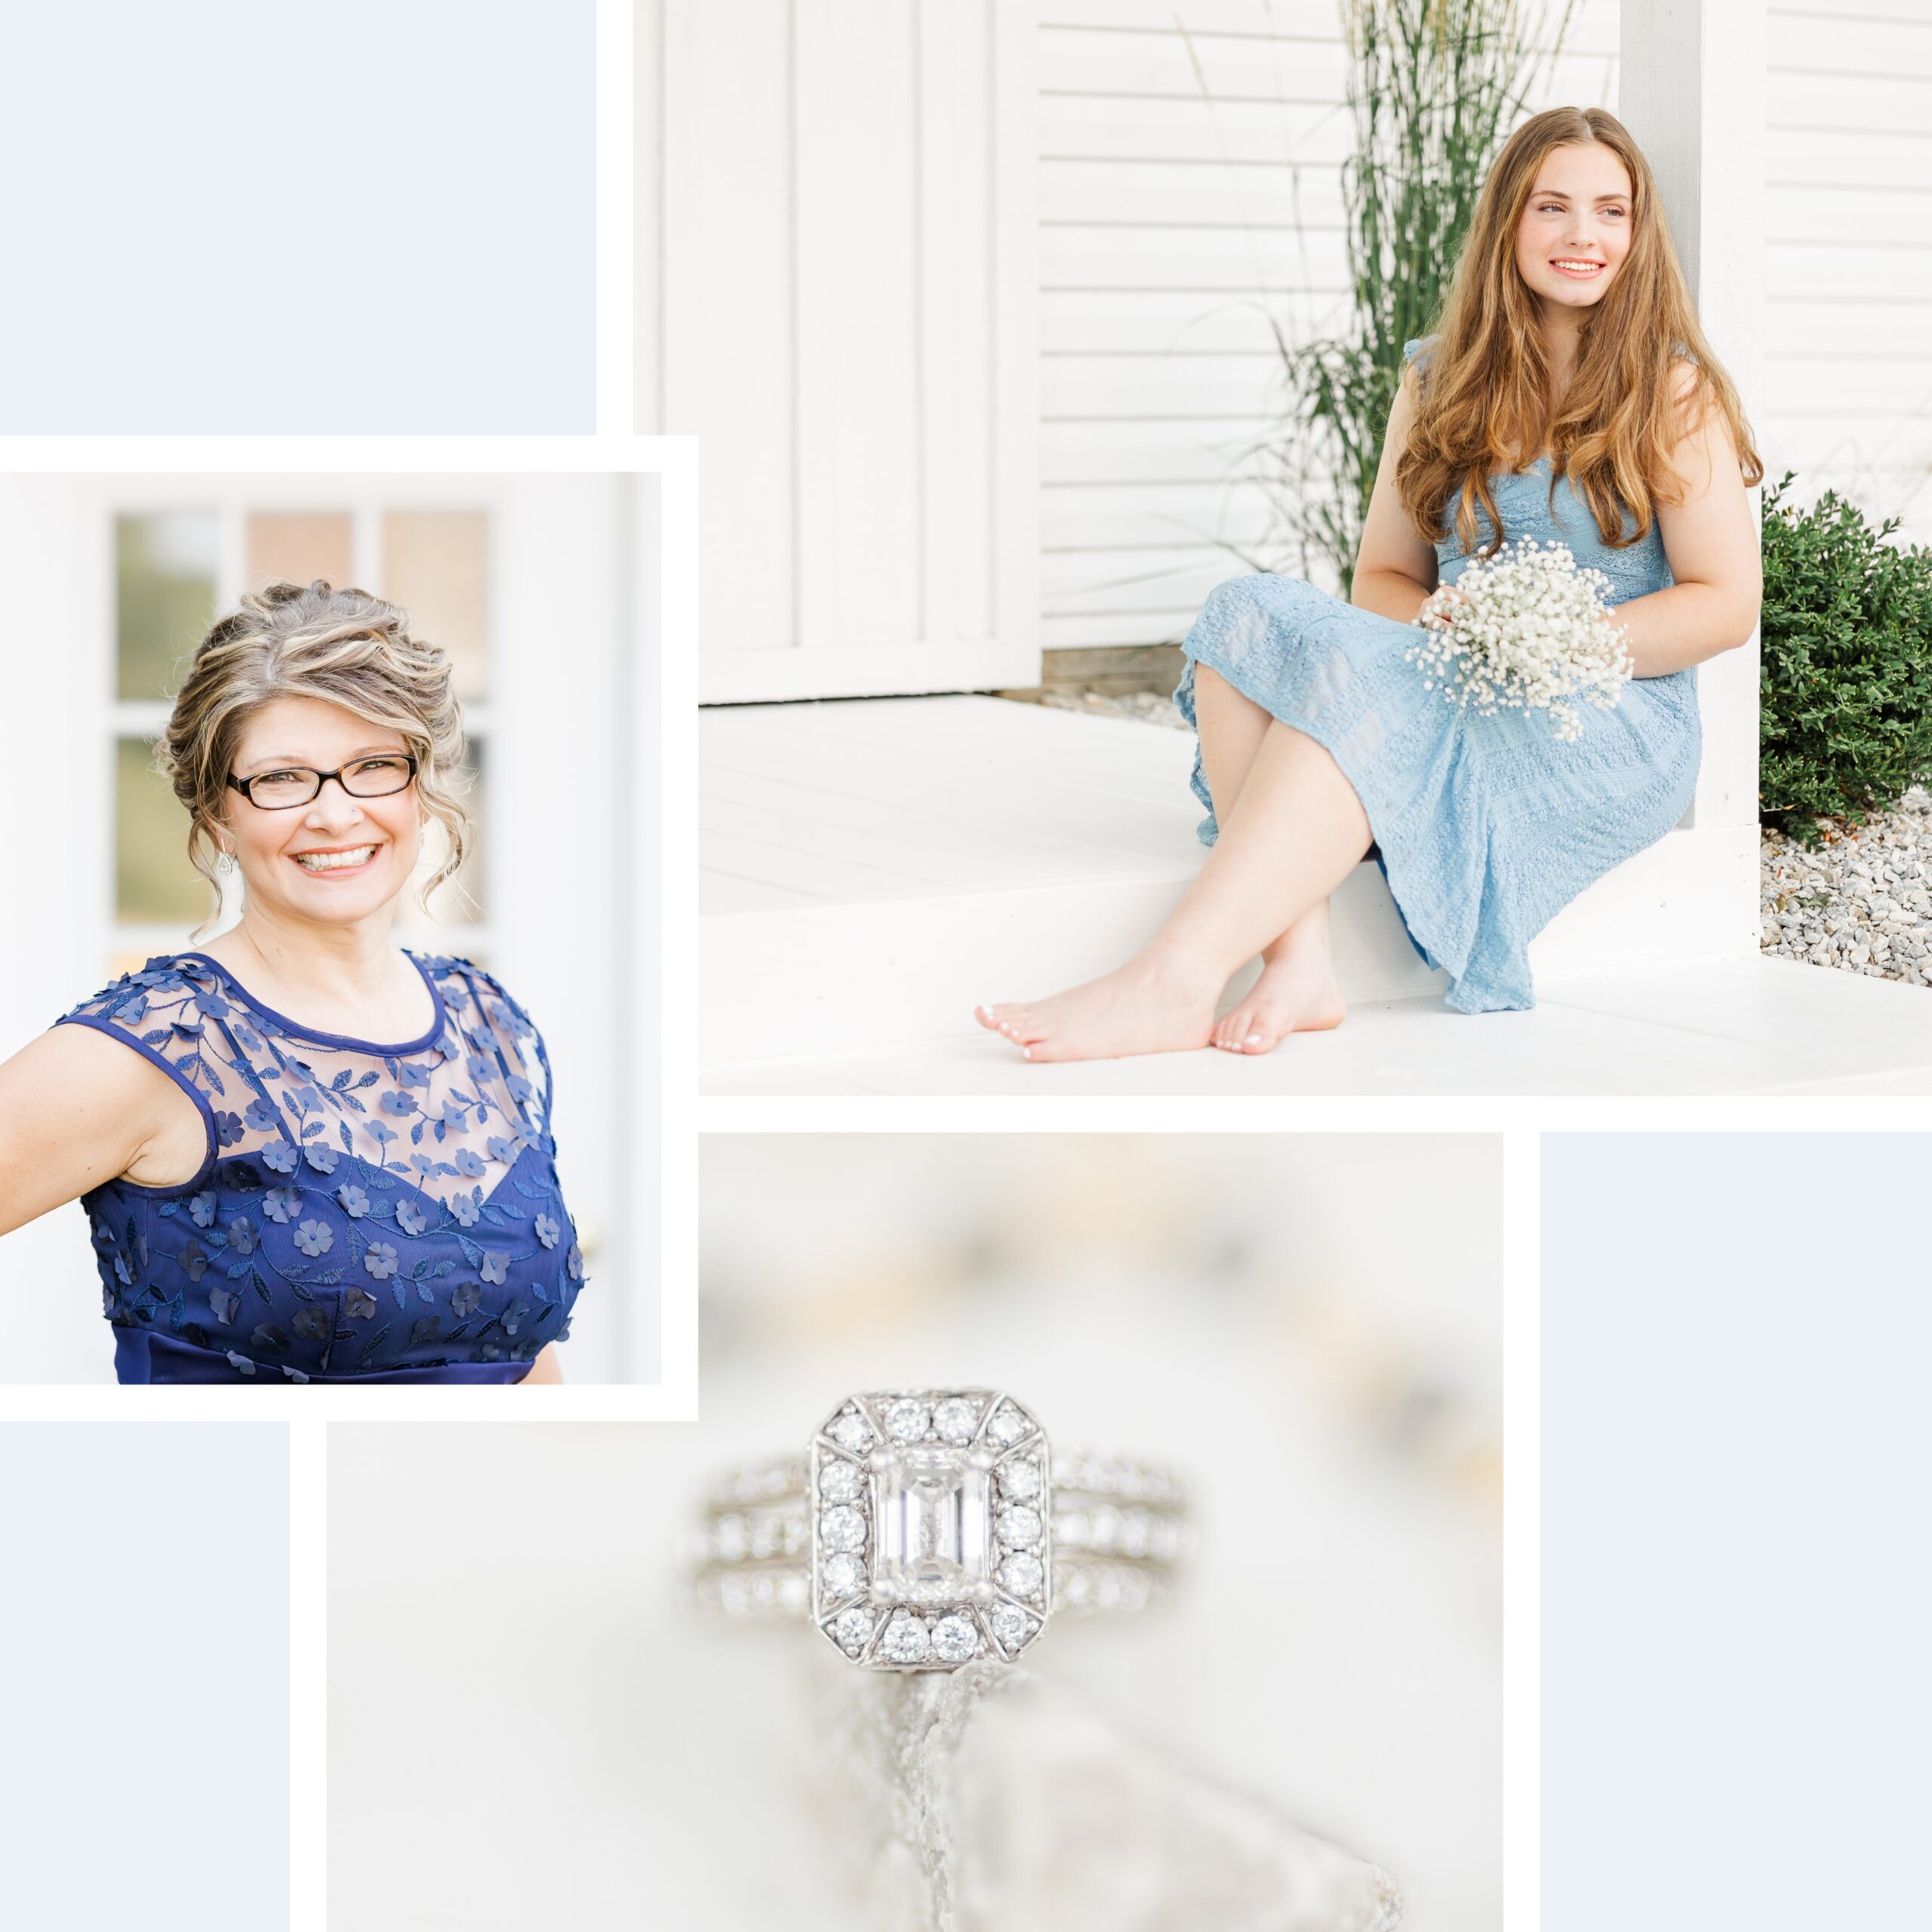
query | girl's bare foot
[1157, 1003]
[1296, 993]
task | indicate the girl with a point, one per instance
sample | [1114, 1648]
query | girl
[1569, 395]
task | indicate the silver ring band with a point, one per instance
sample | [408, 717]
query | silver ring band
[923, 1528]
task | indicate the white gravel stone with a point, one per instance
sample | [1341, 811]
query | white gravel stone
[1148, 707]
[1859, 903]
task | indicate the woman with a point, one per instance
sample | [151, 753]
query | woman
[304, 1153]
[1569, 395]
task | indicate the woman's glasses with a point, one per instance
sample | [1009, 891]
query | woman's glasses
[377, 777]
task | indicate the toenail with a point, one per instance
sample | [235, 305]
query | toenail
[1025, 1053]
[1253, 1040]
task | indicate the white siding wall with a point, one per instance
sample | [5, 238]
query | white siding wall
[1189, 189]
[1181, 205]
[1848, 317]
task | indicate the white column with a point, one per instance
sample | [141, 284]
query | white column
[56, 686]
[56, 667]
[661, 517]
[1691, 91]
[561, 752]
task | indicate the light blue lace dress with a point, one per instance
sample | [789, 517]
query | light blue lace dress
[1486, 827]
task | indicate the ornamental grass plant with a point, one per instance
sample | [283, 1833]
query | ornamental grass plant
[1435, 88]
[1846, 667]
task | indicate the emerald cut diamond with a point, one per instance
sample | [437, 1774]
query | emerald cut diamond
[923, 1528]
[935, 1529]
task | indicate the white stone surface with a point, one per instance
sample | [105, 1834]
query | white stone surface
[872, 871]
[985, 1800]
[1754, 1026]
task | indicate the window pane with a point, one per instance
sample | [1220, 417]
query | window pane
[154, 885]
[163, 598]
[462, 900]
[297, 546]
[435, 565]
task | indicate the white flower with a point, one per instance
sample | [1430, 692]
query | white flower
[1525, 629]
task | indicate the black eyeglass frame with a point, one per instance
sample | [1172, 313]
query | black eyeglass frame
[321, 778]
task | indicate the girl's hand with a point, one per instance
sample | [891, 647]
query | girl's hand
[1442, 602]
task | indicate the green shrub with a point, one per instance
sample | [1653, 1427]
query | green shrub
[1846, 675]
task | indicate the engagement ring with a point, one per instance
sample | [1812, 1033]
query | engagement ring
[923, 1528]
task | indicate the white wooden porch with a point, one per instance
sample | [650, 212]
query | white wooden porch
[872, 869]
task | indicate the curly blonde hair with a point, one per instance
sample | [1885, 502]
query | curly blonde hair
[343, 646]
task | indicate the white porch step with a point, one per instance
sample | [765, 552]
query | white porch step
[872, 869]
[1753, 1026]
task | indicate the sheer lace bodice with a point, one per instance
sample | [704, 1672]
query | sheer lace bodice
[363, 1208]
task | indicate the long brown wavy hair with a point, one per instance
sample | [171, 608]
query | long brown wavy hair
[1485, 402]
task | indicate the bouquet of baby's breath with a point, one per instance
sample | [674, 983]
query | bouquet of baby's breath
[1524, 630]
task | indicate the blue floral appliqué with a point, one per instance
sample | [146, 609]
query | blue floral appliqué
[364, 1211]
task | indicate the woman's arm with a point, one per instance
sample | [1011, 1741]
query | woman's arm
[545, 1368]
[1712, 545]
[1394, 568]
[76, 1109]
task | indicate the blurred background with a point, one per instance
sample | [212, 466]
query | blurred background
[1309, 1327]
[542, 589]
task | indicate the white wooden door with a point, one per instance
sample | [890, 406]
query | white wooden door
[843, 220]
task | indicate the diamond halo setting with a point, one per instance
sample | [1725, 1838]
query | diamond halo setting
[926, 1529]
[919, 1492]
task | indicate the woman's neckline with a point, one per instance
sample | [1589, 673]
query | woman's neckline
[314, 1035]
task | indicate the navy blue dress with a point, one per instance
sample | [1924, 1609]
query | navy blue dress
[365, 1213]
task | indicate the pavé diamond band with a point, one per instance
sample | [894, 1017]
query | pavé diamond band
[923, 1528]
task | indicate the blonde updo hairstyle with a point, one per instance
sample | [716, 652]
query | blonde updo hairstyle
[343, 646]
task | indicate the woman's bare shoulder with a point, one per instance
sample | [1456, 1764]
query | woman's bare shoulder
[76, 1110]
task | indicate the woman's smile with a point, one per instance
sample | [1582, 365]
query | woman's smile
[336, 860]
[1581, 267]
